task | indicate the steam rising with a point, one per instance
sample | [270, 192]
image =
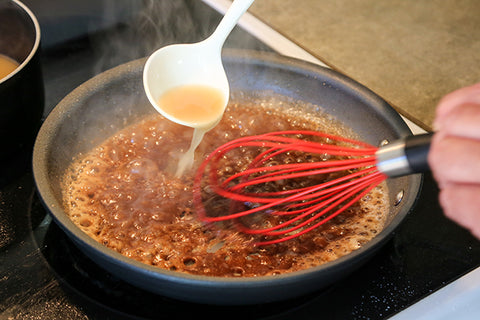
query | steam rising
[150, 25]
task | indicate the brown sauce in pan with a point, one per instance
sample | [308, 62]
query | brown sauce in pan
[124, 194]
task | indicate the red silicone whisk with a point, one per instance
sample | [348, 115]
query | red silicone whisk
[346, 171]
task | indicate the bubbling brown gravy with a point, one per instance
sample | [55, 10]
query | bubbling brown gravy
[124, 194]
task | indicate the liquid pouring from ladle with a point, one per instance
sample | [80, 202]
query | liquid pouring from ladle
[189, 68]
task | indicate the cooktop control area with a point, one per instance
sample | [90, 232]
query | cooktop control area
[44, 276]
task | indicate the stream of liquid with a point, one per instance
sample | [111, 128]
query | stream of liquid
[201, 107]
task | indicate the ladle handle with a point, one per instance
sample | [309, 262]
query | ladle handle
[233, 14]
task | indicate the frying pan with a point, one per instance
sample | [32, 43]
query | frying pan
[114, 99]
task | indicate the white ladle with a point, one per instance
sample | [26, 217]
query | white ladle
[192, 64]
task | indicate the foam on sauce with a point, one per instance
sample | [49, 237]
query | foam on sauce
[125, 195]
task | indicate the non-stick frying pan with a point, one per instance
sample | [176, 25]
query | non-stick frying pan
[110, 101]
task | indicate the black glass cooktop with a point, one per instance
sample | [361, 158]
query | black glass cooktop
[44, 276]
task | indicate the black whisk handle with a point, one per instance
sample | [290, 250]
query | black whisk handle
[405, 156]
[416, 151]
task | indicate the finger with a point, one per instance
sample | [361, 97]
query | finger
[461, 203]
[464, 122]
[466, 95]
[454, 159]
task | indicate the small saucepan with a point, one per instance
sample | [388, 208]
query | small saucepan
[110, 101]
[21, 90]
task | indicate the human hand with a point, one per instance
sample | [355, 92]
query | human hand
[454, 156]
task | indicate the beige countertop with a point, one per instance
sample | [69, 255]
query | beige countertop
[410, 52]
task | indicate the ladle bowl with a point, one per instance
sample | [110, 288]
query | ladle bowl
[192, 64]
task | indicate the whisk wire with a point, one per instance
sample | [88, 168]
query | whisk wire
[368, 187]
[283, 172]
[319, 210]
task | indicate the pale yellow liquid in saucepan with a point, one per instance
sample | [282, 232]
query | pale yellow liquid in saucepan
[7, 66]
